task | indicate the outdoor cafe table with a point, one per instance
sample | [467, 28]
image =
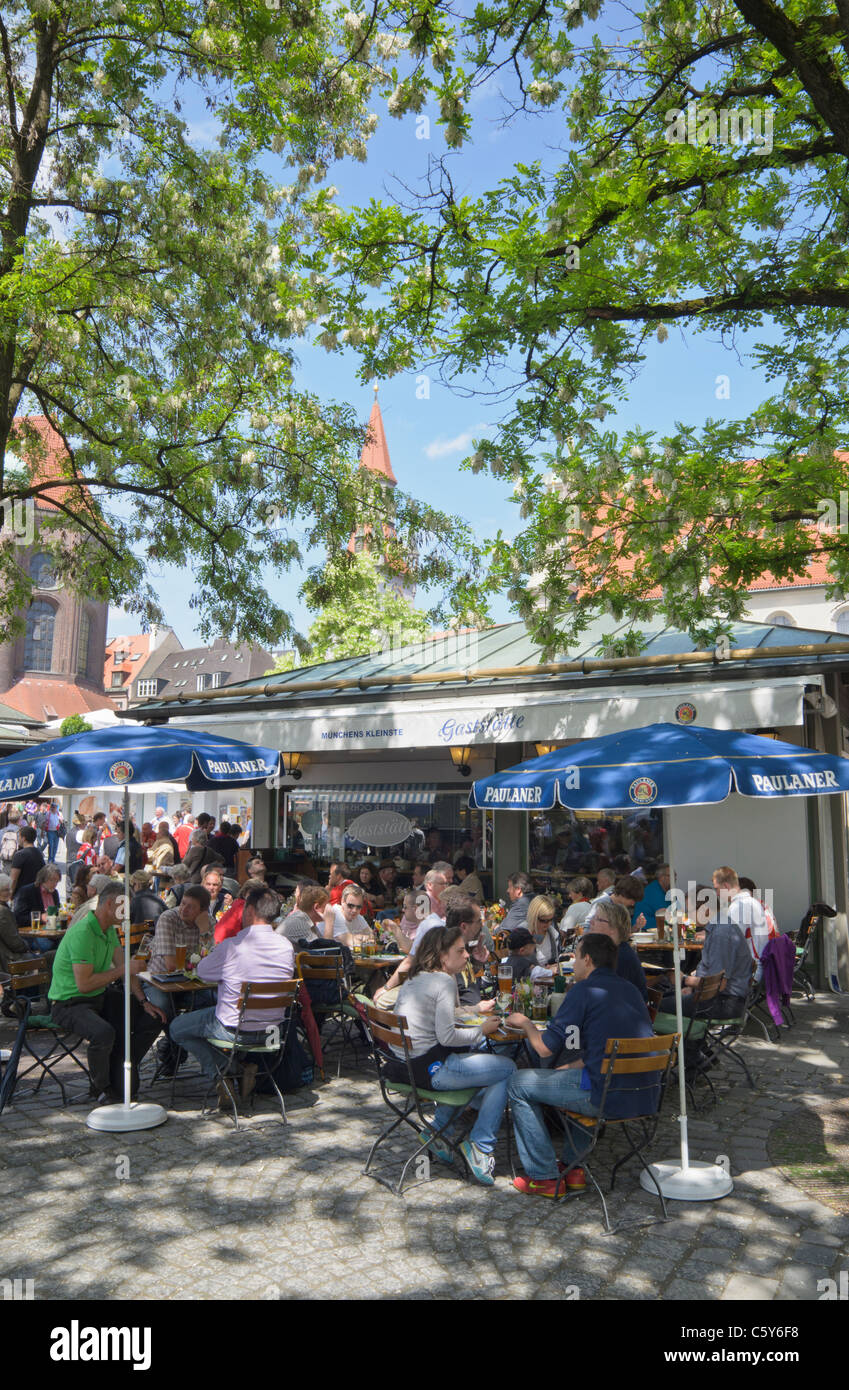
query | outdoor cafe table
[188, 985]
[371, 967]
[55, 933]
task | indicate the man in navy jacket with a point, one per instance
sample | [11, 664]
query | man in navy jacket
[599, 1006]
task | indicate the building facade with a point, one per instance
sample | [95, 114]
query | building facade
[55, 667]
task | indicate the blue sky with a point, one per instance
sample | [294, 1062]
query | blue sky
[429, 438]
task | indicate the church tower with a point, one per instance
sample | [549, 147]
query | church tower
[375, 457]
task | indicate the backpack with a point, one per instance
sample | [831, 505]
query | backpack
[9, 844]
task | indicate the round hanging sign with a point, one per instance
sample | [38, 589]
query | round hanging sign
[380, 828]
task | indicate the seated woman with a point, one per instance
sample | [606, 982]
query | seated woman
[540, 924]
[92, 886]
[443, 1054]
[38, 897]
[580, 892]
[404, 930]
[368, 878]
[161, 853]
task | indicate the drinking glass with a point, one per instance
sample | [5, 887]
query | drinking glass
[35, 919]
[180, 953]
[505, 982]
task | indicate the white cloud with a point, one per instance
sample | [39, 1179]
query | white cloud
[460, 444]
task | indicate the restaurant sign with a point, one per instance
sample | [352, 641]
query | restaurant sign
[380, 828]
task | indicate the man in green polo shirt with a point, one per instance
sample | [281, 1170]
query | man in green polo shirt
[85, 1000]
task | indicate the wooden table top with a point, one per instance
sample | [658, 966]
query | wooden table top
[666, 945]
[376, 962]
[185, 986]
[57, 932]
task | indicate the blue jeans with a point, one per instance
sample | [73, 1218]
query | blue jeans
[52, 845]
[191, 1031]
[527, 1092]
[492, 1074]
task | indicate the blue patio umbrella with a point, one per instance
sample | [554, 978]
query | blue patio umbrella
[121, 757]
[661, 765]
[657, 766]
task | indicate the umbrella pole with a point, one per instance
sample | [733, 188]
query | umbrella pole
[125, 1117]
[127, 991]
[679, 1023]
[680, 1179]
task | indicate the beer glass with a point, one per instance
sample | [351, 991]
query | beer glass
[180, 953]
[505, 985]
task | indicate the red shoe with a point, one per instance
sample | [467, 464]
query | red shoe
[576, 1178]
[539, 1187]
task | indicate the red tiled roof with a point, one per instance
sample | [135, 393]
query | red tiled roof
[137, 643]
[375, 455]
[53, 699]
[51, 465]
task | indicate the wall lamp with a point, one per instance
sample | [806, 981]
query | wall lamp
[460, 759]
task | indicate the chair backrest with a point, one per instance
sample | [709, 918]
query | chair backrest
[501, 941]
[649, 1058]
[653, 1002]
[25, 974]
[386, 1027]
[708, 987]
[267, 994]
[137, 935]
[326, 966]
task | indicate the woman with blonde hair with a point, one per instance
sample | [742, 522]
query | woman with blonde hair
[541, 926]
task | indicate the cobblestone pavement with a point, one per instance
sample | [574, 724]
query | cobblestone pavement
[274, 1212]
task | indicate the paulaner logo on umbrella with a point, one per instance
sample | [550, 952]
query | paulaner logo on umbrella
[120, 773]
[685, 713]
[642, 791]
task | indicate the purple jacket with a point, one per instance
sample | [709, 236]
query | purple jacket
[778, 959]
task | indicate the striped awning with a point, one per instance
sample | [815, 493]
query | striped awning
[417, 794]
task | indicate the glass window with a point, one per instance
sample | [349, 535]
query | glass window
[38, 641]
[841, 621]
[41, 571]
[117, 677]
[563, 844]
[145, 688]
[82, 644]
[442, 824]
[781, 620]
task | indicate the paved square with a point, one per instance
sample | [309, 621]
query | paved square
[193, 1210]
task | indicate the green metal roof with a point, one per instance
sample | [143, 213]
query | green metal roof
[509, 644]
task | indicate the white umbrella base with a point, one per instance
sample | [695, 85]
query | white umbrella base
[700, 1182]
[121, 1119]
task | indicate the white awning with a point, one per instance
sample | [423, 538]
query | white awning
[505, 716]
[417, 794]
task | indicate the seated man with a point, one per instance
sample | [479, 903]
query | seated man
[304, 922]
[599, 1006]
[88, 961]
[466, 916]
[257, 954]
[725, 949]
[611, 919]
[346, 922]
[178, 926]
